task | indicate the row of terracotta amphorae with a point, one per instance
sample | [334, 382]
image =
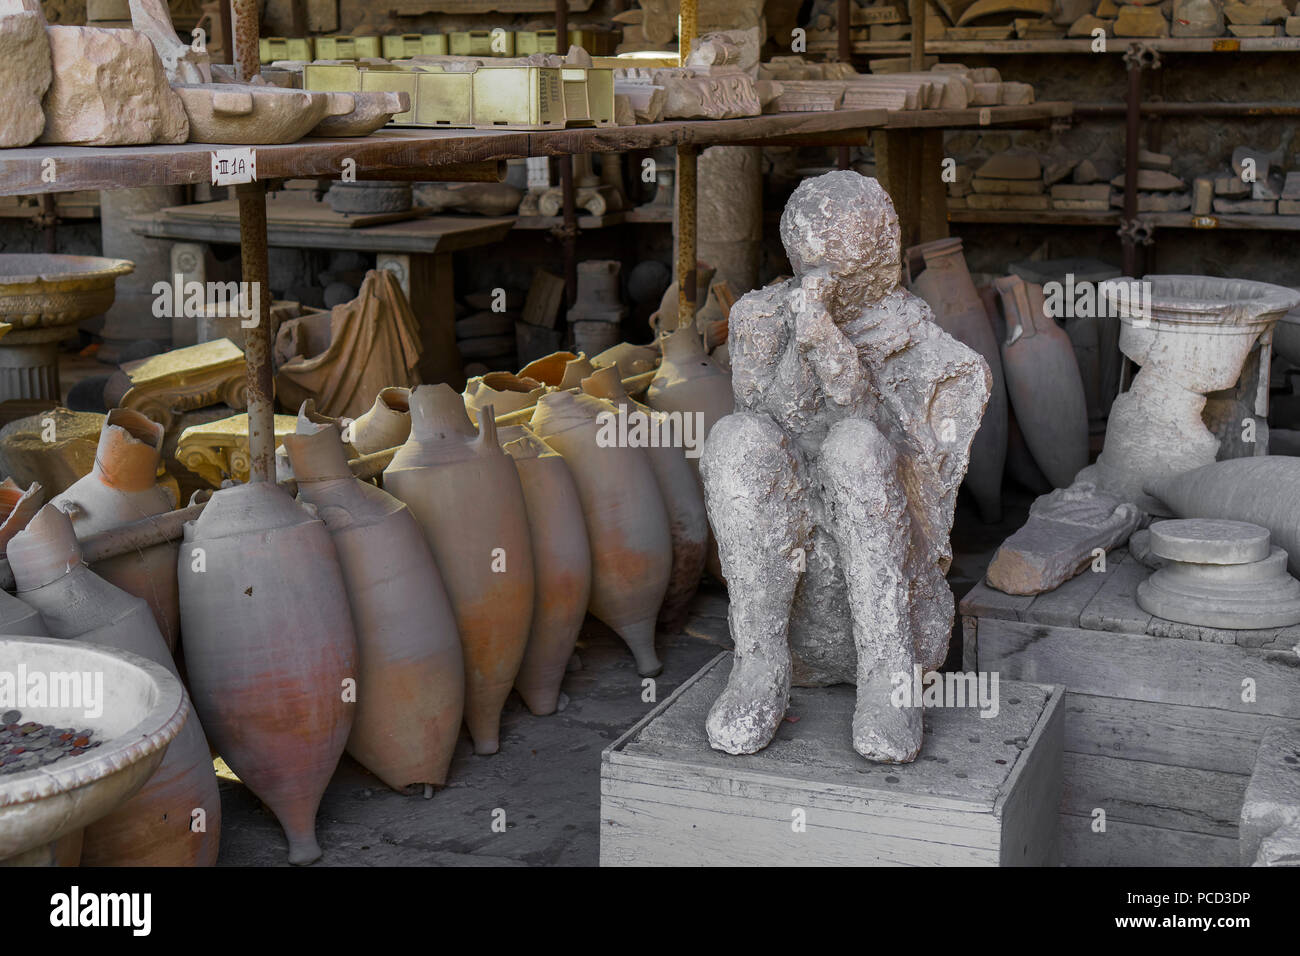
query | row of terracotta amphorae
[373, 619]
[1035, 427]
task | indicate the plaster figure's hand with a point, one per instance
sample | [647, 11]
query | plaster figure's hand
[823, 344]
[810, 303]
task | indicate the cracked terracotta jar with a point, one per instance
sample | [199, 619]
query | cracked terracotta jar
[411, 681]
[465, 493]
[940, 277]
[159, 825]
[688, 381]
[387, 423]
[559, 369]
[269, 644]
[561, 566]
[120, 489]
[549, 369]
[627, 524]
[688, 523]
[16, 509]
[1043, 383]
[504, 391]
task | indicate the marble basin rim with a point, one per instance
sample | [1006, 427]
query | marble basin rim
[144, 708]
[1200, 329]
[45, 289]
[1207, 304]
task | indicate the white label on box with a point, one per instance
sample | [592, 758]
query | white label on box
[230, 167]
[986, 116]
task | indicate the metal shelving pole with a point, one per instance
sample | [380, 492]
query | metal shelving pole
[687, 170]
[255, 268]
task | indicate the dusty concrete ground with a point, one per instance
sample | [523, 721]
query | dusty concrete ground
[546, 777]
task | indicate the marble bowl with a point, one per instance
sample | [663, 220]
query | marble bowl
[41, 290]
[141, 709]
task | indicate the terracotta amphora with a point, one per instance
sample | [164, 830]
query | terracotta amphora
[270, 650]
[16, 508]
[561, 566]
[465, 493]
[940, 277]
[1043, 382]
[630, 359]
[175, 818]
[284, 467]
[627, 524]
[386, 425]
[688, 381]
[411, 680]
[549, 369]
[121, 488]
[688, 523]
[504, 391]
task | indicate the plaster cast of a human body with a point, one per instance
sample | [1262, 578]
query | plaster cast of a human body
[831, 488]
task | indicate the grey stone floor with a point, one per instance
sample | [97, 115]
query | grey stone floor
[546, 776]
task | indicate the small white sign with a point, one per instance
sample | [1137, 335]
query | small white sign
[986, 116]
[539, 172]
[230, 167]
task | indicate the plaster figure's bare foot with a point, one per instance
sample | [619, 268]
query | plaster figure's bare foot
[881, 731]
[745, 717]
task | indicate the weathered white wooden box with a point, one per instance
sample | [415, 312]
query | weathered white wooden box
[1162, 720]
[984, 792]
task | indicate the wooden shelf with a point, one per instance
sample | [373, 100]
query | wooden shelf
[1161, 220]
[651, 212]
[585, 221]
[1114, 45]
[389, 150]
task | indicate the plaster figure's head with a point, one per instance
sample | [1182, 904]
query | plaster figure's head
[844, 223]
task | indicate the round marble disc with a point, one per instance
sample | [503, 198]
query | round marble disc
[1209, 541]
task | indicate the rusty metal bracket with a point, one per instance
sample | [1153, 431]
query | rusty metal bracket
[1138, 231]
[1142, 56]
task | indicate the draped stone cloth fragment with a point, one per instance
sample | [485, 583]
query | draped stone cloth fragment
[374, 343]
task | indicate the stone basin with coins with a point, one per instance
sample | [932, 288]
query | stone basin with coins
[141, 707]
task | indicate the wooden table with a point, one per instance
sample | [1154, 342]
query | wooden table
[418, 251]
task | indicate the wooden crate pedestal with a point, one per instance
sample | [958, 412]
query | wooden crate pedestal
[1162, 720]
[984, 791]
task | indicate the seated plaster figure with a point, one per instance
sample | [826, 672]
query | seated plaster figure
[831, 488]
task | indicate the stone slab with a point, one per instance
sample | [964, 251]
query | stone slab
[1209, 541]
[1019, 203]
[1019, 187]
[1246, 207]
[1076, 191]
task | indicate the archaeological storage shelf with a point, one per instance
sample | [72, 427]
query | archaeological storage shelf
[1144, 100]
[428, 154]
